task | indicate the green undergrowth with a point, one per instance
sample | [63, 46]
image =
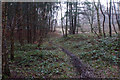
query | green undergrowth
[99, 53]
[45, 61]
[26, 47]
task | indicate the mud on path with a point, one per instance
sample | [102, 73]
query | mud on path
[83, 69]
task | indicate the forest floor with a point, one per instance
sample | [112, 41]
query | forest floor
[51, 60]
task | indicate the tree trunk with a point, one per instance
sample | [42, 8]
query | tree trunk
[98, 17]
[66, 22]
[113, 21]
[92, 18]
[103, 20]
[5, 65]
[75, 20]
[62, 20]
[34, 37]
[12, 28]
[12, 44]
[117, 17]
[34, 24]
[78, 24]
[28, 25]
[71, 19]
[21, 26]
[110, 28]
[99, 27]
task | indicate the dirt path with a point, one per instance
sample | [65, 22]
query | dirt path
[54, 34]
[84, 70]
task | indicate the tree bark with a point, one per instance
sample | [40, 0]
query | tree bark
[34, 26]
[98, 17]
[21, 25]
[103, 20]
[62, 20]
[113, 21]
[12, 44]
[66, 22]
[5, 65]
[116, 17]
[110, 28]
[75, 19]
[71, 19]
[28, 25]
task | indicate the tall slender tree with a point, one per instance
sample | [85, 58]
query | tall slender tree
[103, 24]
[66, 28]
[110, 28]
[98, 16]
[113, 21]
[62, 19]
[5, 65]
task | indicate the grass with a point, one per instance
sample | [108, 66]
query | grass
[34, 63]
[49, 61]
[101, 54]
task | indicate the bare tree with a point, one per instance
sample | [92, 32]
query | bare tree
[117, 19]
[61, 20]
[113, 21]
[98, 16]
[71, 18]
[75, 18]
[66, 28]
[103, 20]
[110, 28]
[89, 13]
[109, 15]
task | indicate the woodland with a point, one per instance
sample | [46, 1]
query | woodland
[78, 39]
